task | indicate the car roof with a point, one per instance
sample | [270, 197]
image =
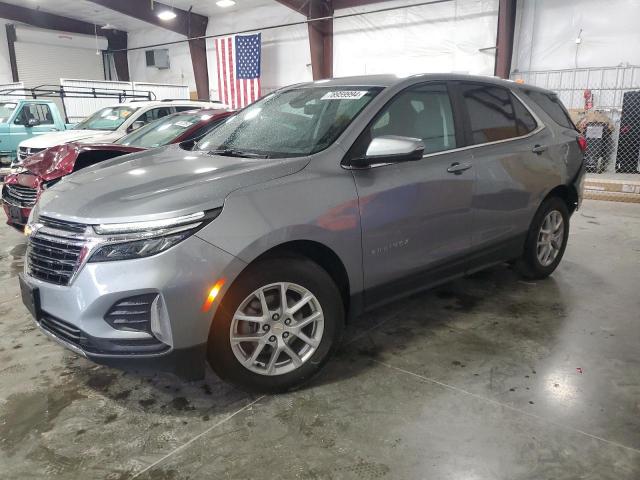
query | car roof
[389, 80]
[159, 103]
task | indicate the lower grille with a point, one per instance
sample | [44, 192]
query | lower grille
[100, 346]
[62, 329]
[19, 195]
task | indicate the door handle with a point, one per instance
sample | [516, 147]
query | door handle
[538, 149]
[458, 168]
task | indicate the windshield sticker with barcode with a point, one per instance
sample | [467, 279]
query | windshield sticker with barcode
[344, 95]
[184, 124]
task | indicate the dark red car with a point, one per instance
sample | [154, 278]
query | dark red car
[21, 190]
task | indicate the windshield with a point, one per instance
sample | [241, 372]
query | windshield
[163, 131]
[106, 119]
[291, 123]
[6, 110]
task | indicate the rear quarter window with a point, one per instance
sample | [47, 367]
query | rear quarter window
[552, 106]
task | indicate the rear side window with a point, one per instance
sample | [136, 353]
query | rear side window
[553, 107]
[490, 111]
[524, 120]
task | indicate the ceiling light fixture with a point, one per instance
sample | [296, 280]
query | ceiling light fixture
[167, 15]
[225, 3]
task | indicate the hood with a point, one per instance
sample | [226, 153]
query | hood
[59, 138]
[55, 162]
[160, 183]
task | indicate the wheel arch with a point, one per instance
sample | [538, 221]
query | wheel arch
[319, 253]
[567, 193]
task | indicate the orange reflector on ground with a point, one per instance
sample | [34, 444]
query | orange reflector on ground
[213, 293]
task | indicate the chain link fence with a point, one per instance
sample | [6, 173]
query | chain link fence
[604, 103]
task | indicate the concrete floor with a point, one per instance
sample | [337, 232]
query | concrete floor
[487, 377]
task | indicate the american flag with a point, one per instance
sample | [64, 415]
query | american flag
[238, 60]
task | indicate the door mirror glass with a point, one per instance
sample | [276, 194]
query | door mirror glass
[394, 148]
[33, 122]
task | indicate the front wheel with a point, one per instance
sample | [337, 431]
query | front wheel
[277, 326]
[546, 240]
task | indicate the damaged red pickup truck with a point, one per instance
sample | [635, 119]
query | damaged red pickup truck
[21, 190]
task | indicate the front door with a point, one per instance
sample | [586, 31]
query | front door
[32, 119]
[415, 216]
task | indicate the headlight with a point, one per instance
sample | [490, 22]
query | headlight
[125, 241]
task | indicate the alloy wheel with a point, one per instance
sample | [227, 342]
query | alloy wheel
[277, 328]
[550, 238]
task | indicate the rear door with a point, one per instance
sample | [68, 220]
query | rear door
[415, 216]
[513, 169]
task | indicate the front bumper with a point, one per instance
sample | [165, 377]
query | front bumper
[17, 215]
[180, 277]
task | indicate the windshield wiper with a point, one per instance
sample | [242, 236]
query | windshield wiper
[230, 152]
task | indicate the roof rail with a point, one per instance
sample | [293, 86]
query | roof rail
[188, 99]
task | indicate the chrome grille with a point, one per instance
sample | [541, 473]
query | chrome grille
[19, 195]
[52, 254]
[25, 152]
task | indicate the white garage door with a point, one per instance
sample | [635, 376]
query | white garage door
[44, 57]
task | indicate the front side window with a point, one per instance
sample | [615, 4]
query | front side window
[490, 111]
[424, 112]
[161, 132]
[107, 119]
[6, 110]
[290, 123]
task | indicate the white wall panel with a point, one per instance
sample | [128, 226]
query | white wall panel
[546, 32]
[181, 71]
[163, 91]
[442, 37]
[79, 108]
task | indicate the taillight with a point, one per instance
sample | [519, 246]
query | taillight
[582, 143]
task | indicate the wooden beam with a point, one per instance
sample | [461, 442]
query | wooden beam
[186, 23]
[49, 21]
[11, 40]
[320, 33]
[118, 46]
[504, 41]
[321, 39]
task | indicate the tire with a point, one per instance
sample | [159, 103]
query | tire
[530, 265]
[294, 275]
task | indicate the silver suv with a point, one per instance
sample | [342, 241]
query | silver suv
[314, 204]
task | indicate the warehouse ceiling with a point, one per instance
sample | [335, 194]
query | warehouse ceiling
[93, 13]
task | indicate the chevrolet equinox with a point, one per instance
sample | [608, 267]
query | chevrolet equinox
[312, 205]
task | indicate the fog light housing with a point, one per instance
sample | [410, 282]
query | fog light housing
[132, 314]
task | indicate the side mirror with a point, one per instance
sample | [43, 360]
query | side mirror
[33, 122]
[136, 125]
[188, 144]
[391, 149]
